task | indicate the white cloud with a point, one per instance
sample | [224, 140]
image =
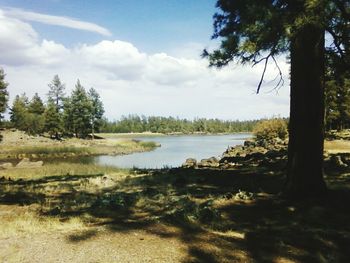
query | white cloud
[20, 45]
[56, 20]
[130, 81]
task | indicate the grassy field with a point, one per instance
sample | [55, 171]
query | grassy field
[17, 145]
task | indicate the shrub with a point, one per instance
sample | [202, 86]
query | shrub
[270, 129]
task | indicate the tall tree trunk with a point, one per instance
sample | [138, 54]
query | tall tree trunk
[306, 127]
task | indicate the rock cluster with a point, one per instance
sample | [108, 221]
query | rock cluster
[338, 135]
[337, 161]
[272, 152]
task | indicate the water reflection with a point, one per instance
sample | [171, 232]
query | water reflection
[175, 150]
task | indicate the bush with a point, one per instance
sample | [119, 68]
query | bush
[270, 129]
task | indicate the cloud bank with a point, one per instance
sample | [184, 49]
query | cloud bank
[132, 81]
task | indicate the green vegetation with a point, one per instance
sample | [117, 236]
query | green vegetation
[135, 123]
[78, 115]
[3, 94]
[337, 113]
[270, 129]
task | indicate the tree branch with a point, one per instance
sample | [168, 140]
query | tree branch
[264, 71]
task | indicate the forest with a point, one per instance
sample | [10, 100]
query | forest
[168, 125]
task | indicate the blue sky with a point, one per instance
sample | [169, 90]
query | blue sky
[143, 57]
[151, 25]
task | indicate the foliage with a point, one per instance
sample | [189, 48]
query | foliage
[56, 92]
[53, 120]
[27, 116]
[337, 104]
[135, 123]
[36, 105]
[18, 111]
[97, 109]
[78, 114]
[83, 111]
[248, 29]
[3, 93]
[270, 129]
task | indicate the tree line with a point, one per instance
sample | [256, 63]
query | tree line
[79, 114]
[156, 124]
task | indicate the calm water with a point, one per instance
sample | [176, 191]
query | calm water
[174, 151]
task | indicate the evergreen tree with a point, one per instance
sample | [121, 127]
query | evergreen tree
[3, 94]
[56, 92]
[18, 112]
[67, 117]
[344, 104]
[97, 110]
[80, 109]
[331, 105]
[53, 120]
[36, 105]
[257, 31]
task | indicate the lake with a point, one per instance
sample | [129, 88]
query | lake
[174, 150]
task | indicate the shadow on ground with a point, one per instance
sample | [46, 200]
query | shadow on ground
[220, 215]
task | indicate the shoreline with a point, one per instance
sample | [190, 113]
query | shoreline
[17, 145]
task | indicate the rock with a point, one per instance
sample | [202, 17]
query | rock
[336, 161]
[250, 143]
[6, 165]
[211, 162]
[189, 163]
[26, 163]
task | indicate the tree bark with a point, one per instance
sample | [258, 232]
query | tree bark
[306, 127]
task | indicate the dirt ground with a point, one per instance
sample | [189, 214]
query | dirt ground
[177, 215]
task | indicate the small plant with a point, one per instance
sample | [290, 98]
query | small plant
[270, 129]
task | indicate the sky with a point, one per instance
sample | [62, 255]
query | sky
[142, 56]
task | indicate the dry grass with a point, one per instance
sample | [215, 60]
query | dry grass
[62, 169]
[22, 221]
[337, 146]
[17, 145]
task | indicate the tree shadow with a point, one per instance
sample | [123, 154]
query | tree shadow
[201, 208]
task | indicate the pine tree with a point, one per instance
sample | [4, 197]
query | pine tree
[3, 94]
[331, 105]
[80, 111]
[344, 104]
[56, 92]
[257, 31]
[67, 116]
[19, 111]
[53, 120]
[97, 110]
[36, 105]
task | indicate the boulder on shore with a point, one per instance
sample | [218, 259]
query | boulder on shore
[211, 162]
[190, 163]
